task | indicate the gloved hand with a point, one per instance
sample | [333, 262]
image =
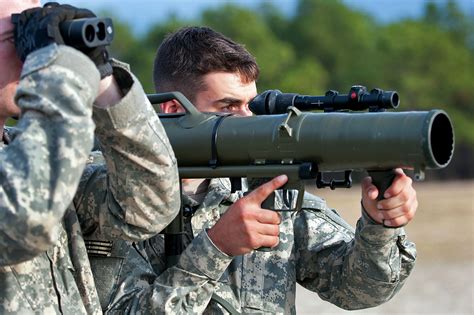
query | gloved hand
[38, 27]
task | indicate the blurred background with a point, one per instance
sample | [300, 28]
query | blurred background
[422, 49]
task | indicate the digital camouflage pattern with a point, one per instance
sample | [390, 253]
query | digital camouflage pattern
[44, 266]
[132, 292]
[40, 170]
[318, 249]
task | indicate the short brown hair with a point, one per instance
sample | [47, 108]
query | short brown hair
[188, 54]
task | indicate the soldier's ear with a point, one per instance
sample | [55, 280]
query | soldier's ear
[171, 107]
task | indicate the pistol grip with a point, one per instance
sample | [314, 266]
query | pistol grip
[269, 203]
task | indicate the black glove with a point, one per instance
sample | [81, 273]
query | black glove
[38, 27]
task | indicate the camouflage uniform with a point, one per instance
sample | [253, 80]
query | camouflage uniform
[44, 267]
[317, 249]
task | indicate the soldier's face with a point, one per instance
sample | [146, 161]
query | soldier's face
[10, 65]
[225, 92]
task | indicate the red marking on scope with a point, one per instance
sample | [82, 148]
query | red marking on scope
[353, 95]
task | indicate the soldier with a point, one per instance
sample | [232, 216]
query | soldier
[44, 267]
[219, 271]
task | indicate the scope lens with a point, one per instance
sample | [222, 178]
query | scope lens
[395, 100]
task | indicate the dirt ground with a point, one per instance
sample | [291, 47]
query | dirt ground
[443, 230]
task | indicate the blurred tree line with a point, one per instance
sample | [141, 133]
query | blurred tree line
[328, 45]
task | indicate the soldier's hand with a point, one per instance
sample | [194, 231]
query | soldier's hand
[38, 27]
[400, 203]
[245, 226]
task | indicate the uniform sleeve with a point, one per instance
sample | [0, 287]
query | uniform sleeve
[40, 169]
[352, 271]
[182, 289]
[136, 193]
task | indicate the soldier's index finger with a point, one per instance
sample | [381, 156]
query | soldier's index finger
[263, 191]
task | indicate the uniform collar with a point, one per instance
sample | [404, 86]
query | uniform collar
[6, 137]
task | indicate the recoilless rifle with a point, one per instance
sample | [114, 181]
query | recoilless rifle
[355, 132]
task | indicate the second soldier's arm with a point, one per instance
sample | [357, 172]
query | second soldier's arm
[352, 271]
[136, 193]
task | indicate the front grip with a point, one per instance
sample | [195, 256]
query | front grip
[382, 180]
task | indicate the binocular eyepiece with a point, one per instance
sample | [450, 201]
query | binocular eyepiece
[84, 33]
[87, 32]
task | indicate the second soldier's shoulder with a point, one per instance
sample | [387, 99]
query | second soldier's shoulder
[317, 206]
[311, 201]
